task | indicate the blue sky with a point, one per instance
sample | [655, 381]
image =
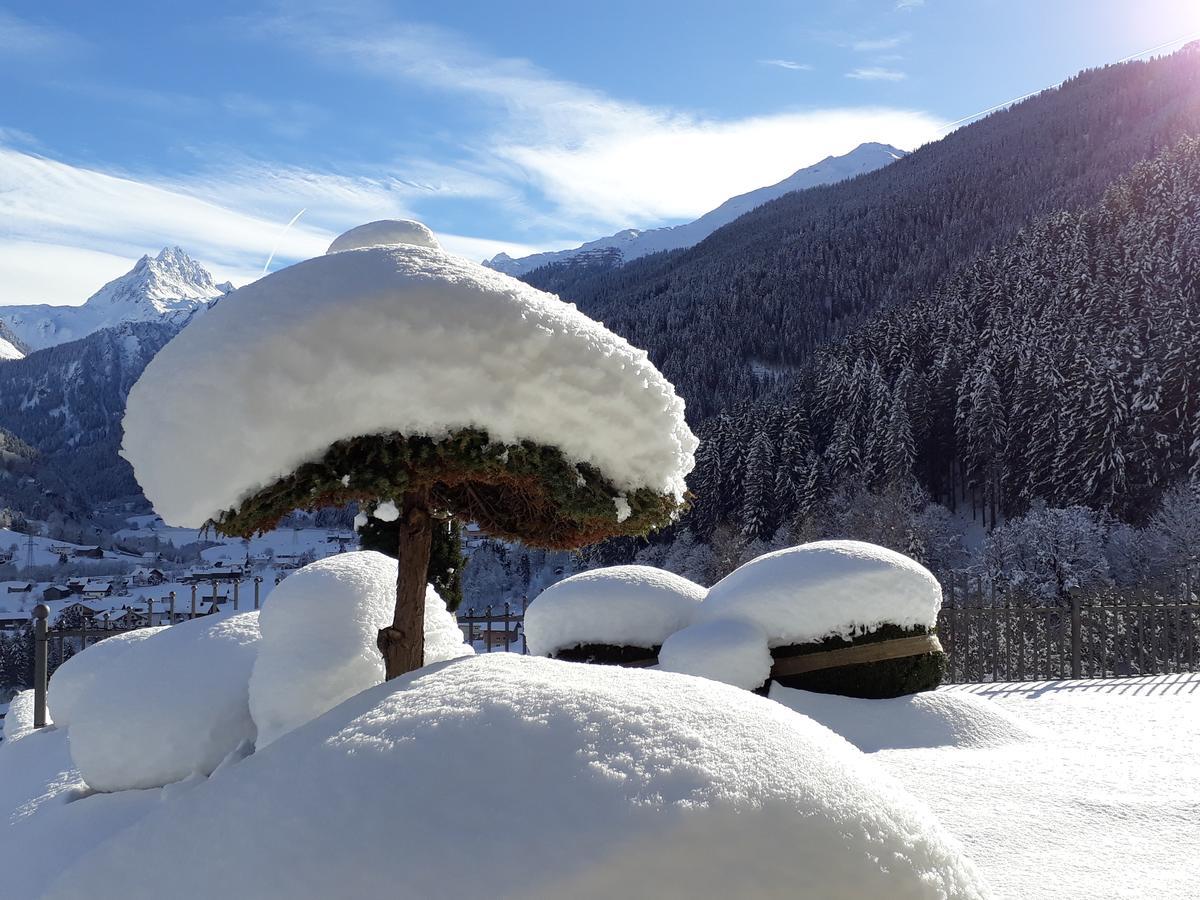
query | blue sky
[524, 126]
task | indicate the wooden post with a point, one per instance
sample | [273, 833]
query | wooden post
[149, 612]
[257, 582]
[193, 599]
[237, 583]
[214, 607]
[171, 600]
[1076, 637]
[40, 673]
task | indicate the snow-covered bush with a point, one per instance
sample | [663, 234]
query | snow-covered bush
[732, 651]
[318, 639]
[68, 689]
[617, 614]
[601, 782]
[835, 598]
[169, 705]
[444, 387]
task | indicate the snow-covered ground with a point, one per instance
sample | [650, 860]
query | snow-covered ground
[1064, 789]
[1103, 803]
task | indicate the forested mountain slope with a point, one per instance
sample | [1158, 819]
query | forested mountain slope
[66, 402]
[1062, 367]
[763, 292]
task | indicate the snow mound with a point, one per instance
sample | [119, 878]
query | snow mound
[732, 651]
[627, 606]
[825, 589]
[385, 233]
[167, 706]
[927, 719]
[604, 783]
[430, 342]
[18, 720]
[318, 639]
[68, 689]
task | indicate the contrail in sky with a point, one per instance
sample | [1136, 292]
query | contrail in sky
[279, 240]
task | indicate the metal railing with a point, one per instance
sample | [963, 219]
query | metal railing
[494, 628]
[987, 635]
[1103, 632]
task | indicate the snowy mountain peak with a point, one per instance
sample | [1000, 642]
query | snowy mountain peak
[164, 284]
[169, 286]
[631, 243]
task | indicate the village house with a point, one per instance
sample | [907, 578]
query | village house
[97, 589]
[145, 575]
[56, 592]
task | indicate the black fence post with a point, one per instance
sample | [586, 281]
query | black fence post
[40, 673]
[1076, 637]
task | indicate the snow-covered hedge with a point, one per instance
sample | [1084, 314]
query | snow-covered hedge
[619, 606]
[162, 707]
[319, 630]
[831, 596]
[827, 589]
[68, 689]
[601, 782]
[397, 338]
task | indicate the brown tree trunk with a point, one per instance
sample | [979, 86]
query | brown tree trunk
[403, 644]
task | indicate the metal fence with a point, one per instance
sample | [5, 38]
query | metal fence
[494, 628]
[988, 635]
[1102, 633]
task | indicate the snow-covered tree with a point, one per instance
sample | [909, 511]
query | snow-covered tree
[444, 389]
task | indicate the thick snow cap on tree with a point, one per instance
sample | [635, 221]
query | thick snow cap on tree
[627, 606]
[167, 706]
[319, 628]
[825, 589]
[398, 338]
[601, 782]
[732, 651]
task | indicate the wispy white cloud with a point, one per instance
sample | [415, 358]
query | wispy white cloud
[27, 39]
[876, 73]
[909, 5]
[787, 64]
[598, 160]
[874, 44]
[69, 229]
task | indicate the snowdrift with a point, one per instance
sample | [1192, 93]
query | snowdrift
[319, 629]
[612, 782]
[622, 606]
[927, 719]
[732, 651]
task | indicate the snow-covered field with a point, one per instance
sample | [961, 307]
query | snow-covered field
[1066, 789]
[1104, 802]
